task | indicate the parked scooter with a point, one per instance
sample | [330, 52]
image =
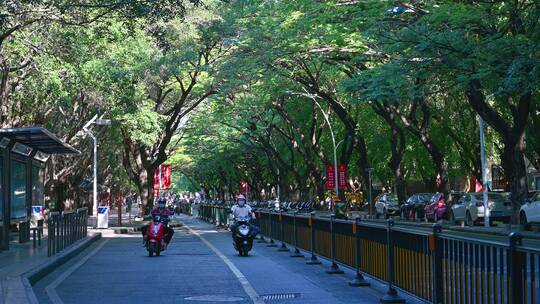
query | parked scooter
[155, 243]
[243, 238]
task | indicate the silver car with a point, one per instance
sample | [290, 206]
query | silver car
[386, 205]
[470, 208]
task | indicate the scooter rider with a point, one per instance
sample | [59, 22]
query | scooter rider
[241, 209]
[164, 213]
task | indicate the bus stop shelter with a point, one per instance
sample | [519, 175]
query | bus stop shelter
[23, 154]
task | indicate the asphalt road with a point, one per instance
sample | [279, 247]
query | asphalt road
[200, 266]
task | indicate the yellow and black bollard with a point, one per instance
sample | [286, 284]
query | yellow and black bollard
[296, 253]
[334, 268]
[358, 280]
[283, 247]
[391, 295]
[313, 259]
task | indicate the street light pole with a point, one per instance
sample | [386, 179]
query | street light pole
[369, 170]
[333, 139]
[335, 148]
[102, 122]
[484, 178]
[94, 195]
[279, 182]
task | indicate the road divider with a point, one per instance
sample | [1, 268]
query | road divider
[434, 265]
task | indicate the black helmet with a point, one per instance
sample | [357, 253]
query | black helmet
[161, 200]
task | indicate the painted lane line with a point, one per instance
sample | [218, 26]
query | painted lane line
[51, 288]
[250, 291]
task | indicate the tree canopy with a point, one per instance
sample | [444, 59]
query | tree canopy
[227, 91]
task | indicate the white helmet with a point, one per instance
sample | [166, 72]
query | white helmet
[241, 200]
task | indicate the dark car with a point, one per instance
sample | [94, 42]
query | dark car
[436, 209]
[413, 208]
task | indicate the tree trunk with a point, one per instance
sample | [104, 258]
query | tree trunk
[420, 129]
[513, 135]
[397, 146]
[513, 164]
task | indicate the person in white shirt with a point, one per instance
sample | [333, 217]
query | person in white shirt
[240, 210]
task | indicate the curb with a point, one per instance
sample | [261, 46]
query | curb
[31, 277]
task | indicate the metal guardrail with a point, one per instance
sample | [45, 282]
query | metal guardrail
[66, 228]
[434, 266]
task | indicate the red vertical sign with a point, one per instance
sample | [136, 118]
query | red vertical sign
[166, 176]
[156, 182]
[244, 187]
[342, 176]
[330, 178]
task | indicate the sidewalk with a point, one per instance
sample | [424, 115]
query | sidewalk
[21, 260]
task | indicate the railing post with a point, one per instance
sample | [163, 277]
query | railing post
[296, 253]
[283, 247]
[516, 265]
[436, 260]
[49, 236]
[57, 235]
[391, 294]
[313, 259]
[359, 279]
[272, 243]
[64, 231]
[260, 225]
[260, 222]
[334, 268]
[86, 222]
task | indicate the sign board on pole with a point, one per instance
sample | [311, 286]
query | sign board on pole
[166, 176]
[103, 217]
[342, 176]
[156, 179]
[330, 178]
[244, 187]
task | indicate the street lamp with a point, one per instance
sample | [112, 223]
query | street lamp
[369, 170]
[85, 130]
[333, 138]
[483, 160]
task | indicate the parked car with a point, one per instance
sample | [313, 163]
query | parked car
[413, 208]
[436, 208]
[530, 210]
[386, 205]
[470, 208]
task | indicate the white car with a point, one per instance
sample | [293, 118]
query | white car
[470, 208]
[530, 211]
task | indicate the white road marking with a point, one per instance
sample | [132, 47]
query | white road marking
[250, 291]
[51, 288]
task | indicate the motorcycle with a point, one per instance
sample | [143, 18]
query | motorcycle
[155, 243]
[243, 240]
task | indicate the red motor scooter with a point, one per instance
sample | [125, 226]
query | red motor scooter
[154, 237]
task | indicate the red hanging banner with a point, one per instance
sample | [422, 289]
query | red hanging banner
[244, 187]
[330, 178]
[342, 176]
[166, 176]
[156, 179]
[156, 182]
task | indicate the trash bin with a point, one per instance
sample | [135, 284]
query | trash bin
[103, 217]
